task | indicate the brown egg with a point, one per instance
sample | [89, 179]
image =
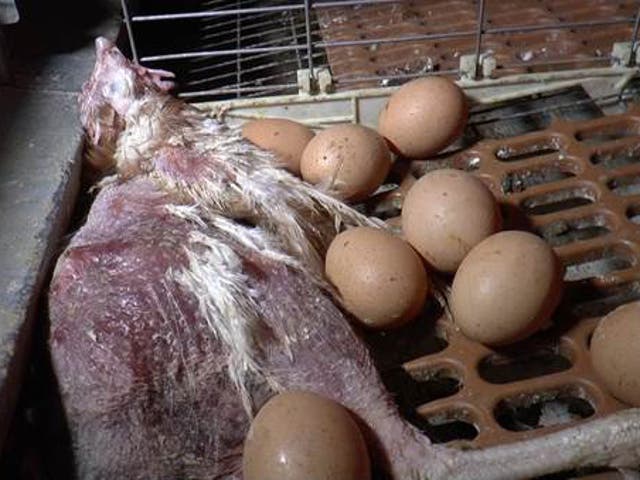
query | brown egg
[380, 277]
[423, 117]
[615, 352]
[506, 288]
[351, 159]
[286, 138]
[300, 435]
[445, 214]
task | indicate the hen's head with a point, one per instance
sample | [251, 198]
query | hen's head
[114, 87]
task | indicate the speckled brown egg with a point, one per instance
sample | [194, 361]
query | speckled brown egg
[351, 160]
[615, 352]
[380, 278]
[300, 435]
[445, 214]
[423, 117]
[506, 288]
[286, 138]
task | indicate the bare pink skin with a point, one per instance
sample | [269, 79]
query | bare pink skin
[143, 380]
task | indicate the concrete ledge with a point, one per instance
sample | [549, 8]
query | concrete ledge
[40, 162]
[39, 178]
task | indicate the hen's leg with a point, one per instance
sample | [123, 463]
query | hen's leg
[613, 441]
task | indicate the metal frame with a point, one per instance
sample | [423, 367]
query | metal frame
[605, 86]
[308, 52]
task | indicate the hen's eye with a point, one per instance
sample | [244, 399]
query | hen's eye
[117, 87]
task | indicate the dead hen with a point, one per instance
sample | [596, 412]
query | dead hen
[194, 292]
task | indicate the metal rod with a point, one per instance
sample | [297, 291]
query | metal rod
[247, 83]
[347, 3]
[307, 23]
[542, 63]
[277, 8]
[479, 33]
[355, 79]
[127, 22]
[272, 92]
[294, 38]
[263, 30]
[226, 63]
[238, 55]
[406, 38]
[345, 43]
[219, 24]
[400, 76]
[274, 41]
[468, 33]
[557, 26]
[257, 68]
[217, 53]
[295, 62]
[232, 89]
[215, 13]
[245, 53]
[248, 58]
[224, 3]
[304, 121]
[634, 40]
[227, 90]
[598, 99]
[561, 79]
[257, 82]
[544, 77]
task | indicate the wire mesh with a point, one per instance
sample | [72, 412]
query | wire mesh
[239, 48]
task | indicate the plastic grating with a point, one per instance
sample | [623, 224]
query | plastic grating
[576, 184]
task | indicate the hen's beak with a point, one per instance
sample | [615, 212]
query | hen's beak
[102, 45]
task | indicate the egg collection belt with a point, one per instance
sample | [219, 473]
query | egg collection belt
[576, 42]
[577, 184]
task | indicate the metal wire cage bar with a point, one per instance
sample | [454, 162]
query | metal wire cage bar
[237, 48]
